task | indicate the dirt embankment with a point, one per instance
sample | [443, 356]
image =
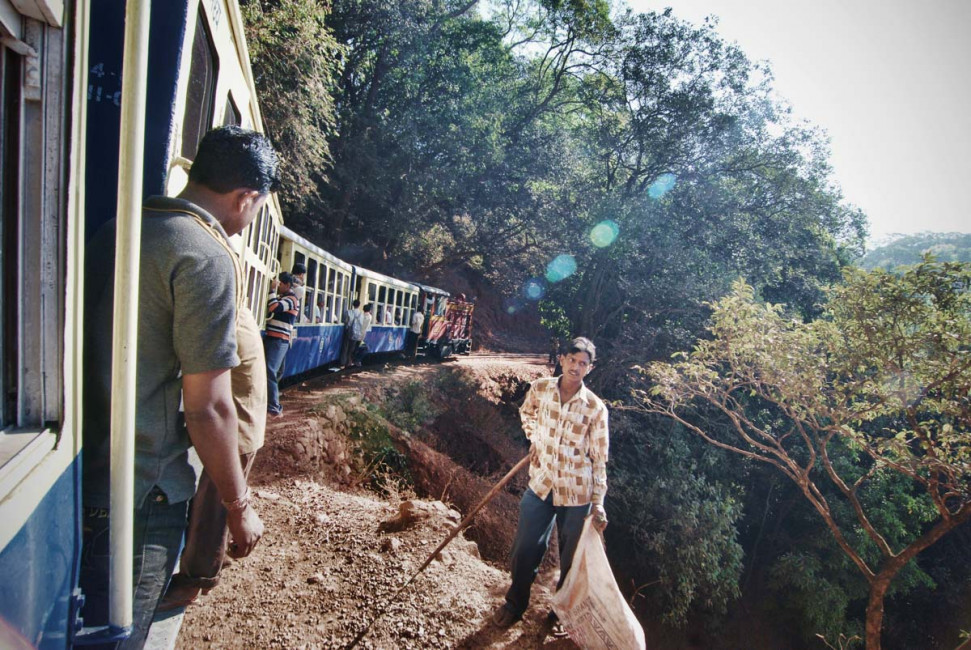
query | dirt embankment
[335, 551]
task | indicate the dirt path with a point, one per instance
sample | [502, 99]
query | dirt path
[326, 564]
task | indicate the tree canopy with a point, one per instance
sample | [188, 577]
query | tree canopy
[872, 398]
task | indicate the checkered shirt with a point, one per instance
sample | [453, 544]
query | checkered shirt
[570, 443]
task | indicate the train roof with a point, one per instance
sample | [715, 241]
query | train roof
[433, 290]
[314, 248]
[387, 279]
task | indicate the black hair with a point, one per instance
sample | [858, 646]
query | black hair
[286, 278]
[367, 307]
[582, 344]
[298, 268]
[356, 304]
[231, 158]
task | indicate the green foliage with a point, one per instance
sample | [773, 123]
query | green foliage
[409, 406]
[673, 527]
[376, 450]
[295, 62]
[553, 317]
[865, 409]
[809, 587]
[910, 249]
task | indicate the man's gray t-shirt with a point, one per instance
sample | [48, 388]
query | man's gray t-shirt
[186, 325]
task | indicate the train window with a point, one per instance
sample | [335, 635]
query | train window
[251, 287]
[202, 87]
[309, 302]
[312, 273]
[331, 276]
[231, 114]
[9, 177]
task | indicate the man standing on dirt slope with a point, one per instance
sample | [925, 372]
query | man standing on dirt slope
[566, 425]
[190, 290]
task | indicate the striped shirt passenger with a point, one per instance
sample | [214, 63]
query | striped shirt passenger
[283, 311]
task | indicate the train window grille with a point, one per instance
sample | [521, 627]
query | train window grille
[200, 94]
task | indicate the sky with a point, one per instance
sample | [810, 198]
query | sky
[889, 80]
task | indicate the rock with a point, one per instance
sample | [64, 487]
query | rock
[414, 511]
[391, 545]
[315, 579]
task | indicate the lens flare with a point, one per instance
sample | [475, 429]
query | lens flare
[561, 268]
[662, 185]
[512, 305]
[604, 233]
[534, 289]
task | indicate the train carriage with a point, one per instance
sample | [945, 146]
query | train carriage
[78, 148]
[392, 303]
[319, 330]
[40, 439]
[447, 328]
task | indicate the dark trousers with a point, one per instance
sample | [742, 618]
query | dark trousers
[275, 350]
[346, 347]
[207, 534]
[411, 344]
[359, 350]
[536, 517]
[158, 534]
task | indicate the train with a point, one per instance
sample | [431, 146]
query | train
[102, 103]
[332, 285]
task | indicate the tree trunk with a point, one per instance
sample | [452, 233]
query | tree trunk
[874, 609]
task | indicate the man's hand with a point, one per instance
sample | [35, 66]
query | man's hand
[274, 284]
[599, 517]
[246, 529]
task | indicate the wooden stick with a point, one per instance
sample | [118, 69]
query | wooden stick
[465, 522]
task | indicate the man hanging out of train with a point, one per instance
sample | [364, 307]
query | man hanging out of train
[190, 288]
[282, 309]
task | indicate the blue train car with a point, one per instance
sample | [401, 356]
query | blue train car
[392, 303]
[41, 131]
[319, 331]
[71, 159]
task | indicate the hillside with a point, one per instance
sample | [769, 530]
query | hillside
[905, 250]
[336, 547]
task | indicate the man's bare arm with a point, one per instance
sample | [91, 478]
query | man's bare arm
[210, 416]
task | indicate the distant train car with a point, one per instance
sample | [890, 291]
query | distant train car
[319, 330]
[448, 323]
[65, 170]
[392, 304]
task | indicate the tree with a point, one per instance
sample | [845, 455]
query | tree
[873, 393]
[295, 61]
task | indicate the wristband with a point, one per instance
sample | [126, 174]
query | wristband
[237, 505]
